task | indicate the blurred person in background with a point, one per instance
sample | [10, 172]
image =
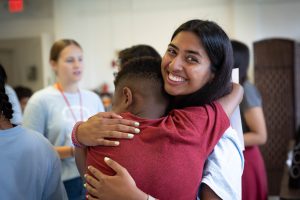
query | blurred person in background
[30, 168]
[254, 179]
[54, 110]
[23, 93]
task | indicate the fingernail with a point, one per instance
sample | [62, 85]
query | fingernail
[85, 175]
[106, 159]
[87, 196]
[89, 167]
[84, 185]
[117, 143]
[130, 135]
[136, 130]
[136, 123]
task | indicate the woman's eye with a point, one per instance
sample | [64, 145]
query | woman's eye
[69, 60]
[171, 51]
[191, 59]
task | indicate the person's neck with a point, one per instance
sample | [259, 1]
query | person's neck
[67, 87]
[5, 123]
[149, 110]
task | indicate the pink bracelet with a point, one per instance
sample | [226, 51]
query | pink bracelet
[76, 143]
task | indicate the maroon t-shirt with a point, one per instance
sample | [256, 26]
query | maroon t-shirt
[166, 158]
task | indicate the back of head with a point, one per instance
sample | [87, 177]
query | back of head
[59, 45]
[5, 105]
[241, 59]
[137, 51]
[218, 48]
[23, 92]
[143, 77]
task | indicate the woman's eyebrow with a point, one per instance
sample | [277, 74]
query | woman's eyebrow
[174, 46]
[193, 52]
[187, 51]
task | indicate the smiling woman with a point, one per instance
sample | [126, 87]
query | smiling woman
[185, 66]
[53, 111]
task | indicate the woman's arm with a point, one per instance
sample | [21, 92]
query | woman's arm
[80, 159]
[233, 99]
[101, 126]
[208, 194]
[119, 186]
[255, 120]
[64, 151]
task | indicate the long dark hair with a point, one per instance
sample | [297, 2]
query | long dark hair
[241, 56]
[5, 105]
[218, 48]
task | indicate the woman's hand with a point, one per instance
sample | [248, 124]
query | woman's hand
[120, 186]
[101, 126]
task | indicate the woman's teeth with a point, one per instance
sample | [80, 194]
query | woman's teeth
[176, 78]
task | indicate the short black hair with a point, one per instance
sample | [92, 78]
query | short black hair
[142, 67]
[137, 51]
[143, 75]
[241, 56]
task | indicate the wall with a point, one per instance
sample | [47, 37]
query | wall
[27, 35]
[22, 60]
[104, 26]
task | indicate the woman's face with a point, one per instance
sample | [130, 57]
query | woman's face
[69, 66]
[185, 65]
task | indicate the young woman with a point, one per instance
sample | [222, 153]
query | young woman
[54, 110]
[196, 69]
[254, 179]
[30, 168]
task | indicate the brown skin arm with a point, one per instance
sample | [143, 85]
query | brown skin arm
[80, 158]
[232, 100]
[255, 120]
[208, 194]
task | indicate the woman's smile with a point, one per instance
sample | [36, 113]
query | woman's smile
[175, 78]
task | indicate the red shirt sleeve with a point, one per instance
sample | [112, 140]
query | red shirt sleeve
[209, 122]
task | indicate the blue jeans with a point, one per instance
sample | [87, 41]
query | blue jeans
[75, 189]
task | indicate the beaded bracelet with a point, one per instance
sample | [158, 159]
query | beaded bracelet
[76, 143]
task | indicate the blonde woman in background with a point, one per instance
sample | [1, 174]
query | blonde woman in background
[55, 109]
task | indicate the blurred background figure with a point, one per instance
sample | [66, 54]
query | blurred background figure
[28, 161]
[254, 179]
[17, 112]
[23, 93]
[54, 110]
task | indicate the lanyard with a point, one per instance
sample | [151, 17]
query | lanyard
[68, 103]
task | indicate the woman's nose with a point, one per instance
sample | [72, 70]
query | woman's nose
[176, 64]
[77, 63]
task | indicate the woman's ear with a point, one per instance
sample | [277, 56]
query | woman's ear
[127, 93]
